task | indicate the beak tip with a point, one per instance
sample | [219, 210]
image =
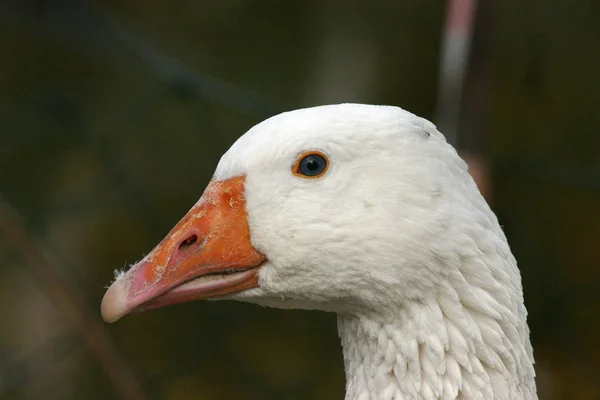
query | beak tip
[114, 303]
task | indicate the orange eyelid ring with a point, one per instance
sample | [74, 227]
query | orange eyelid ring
[307, 168]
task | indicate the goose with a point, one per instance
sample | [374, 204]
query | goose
[365, 211]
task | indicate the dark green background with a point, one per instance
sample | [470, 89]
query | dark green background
[114, 114]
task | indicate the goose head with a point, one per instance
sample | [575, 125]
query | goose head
[342, 208]
[368, 212]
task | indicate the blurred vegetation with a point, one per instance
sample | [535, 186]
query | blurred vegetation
[114, 114]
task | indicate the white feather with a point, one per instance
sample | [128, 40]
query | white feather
[398, 241]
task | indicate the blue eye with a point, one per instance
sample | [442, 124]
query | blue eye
[311, 165]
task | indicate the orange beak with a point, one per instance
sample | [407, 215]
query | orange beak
[207, 254]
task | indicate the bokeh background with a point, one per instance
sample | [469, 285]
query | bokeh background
[114, 114]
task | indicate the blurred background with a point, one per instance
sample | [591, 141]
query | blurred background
[114, 114]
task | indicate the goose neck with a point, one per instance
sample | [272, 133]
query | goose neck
[423, 353]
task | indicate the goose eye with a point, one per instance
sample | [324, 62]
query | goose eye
[311, 165]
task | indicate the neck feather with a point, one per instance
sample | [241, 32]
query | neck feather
[438, 349]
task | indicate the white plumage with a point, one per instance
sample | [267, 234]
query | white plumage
[397, 240]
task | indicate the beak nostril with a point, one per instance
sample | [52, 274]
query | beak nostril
[188, 242]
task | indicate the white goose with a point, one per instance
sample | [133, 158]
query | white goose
[367, 212]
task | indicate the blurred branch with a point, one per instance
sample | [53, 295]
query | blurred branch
[64, 293]
[456, 43]
[462, 84]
